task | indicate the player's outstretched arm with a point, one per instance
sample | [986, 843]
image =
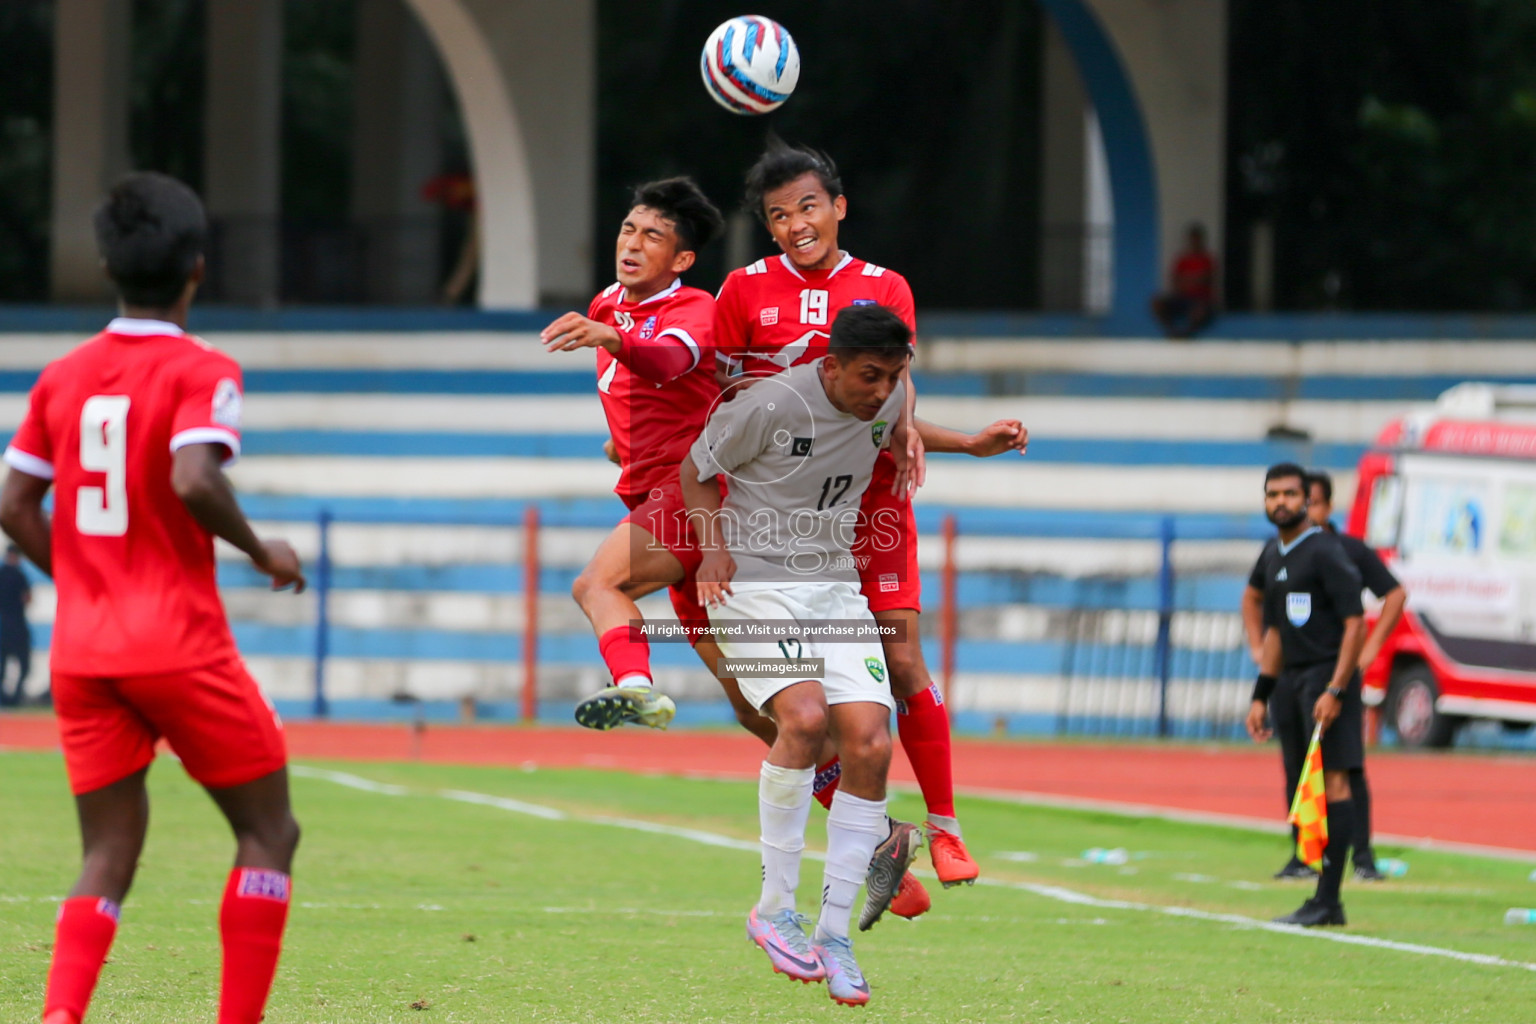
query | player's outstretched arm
[23, 518]
[995, 439]
[197, 477]
[573, 331]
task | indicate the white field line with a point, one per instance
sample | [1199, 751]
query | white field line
[1275, 825]
[1053, 892]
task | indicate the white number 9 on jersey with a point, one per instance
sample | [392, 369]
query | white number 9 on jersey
[103, 511]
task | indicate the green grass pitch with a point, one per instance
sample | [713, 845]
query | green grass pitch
[411, 906]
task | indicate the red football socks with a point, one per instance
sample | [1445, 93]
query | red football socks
[82, 938]
[824, 784]
[626, 652]
[251, 926]
[923, 725]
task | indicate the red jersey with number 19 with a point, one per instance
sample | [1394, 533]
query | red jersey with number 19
[771, 315]
[137, 593]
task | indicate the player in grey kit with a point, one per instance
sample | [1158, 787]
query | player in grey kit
[799, 449]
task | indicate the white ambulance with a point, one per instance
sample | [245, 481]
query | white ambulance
[1448, 497]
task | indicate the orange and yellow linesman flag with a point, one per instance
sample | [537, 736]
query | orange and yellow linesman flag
[1309, 808]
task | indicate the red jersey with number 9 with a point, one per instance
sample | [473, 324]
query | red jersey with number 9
[135, 573]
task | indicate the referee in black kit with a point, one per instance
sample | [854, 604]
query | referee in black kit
[1314, 628]
[1378, 579]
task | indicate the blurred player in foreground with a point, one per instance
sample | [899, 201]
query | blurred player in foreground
[1308, 672]
[799, 451]
[132, 430]
[774, 314]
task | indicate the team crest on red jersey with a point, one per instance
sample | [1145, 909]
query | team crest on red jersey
[648, 328]
[769, 316]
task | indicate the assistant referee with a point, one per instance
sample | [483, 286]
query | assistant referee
[1378, 579]
[1313, 630]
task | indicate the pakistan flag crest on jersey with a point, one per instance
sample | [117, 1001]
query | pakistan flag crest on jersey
[877, 432]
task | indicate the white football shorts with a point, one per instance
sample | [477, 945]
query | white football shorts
[854, 668]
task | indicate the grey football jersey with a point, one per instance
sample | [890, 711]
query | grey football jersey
[795, 470]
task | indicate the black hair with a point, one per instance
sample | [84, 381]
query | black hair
[781, 164]
[869, 330]
[150, 231]
[1320, 478]
[1285, 469]
[681, 201]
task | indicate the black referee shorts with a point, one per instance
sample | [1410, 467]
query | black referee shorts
[1297, 692]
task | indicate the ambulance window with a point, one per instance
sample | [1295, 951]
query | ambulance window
[1446, 517]
[1517, 532]
[1386, 512]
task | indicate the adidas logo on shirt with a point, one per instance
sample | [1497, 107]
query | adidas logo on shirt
[1282, 575]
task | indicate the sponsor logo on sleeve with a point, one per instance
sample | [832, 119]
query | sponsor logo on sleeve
[1298, 608]
[768, 316]
[226, 404]
[889, 583]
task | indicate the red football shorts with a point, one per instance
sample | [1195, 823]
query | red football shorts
[215, 718]
[662, 513]
[885, 547]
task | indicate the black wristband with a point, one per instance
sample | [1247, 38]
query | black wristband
[1263, 687]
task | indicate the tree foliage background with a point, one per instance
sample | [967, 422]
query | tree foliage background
[1391, 146]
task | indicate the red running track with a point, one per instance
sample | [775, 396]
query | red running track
[1454, 798]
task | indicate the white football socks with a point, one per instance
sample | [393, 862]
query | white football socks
[783, 807]
[855, 826]
[950, 825]
[634, 681]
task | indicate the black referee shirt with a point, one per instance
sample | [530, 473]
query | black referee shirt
[1378, 579]
[1310, 587]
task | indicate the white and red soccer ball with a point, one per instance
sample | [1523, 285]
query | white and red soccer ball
[750, 65]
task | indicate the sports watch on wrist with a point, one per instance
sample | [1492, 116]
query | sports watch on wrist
[1336, 692]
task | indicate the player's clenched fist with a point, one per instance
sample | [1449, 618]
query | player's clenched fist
[279, 561]
[573, 331]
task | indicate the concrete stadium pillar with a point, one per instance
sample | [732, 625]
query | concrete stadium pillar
[90, 136]
[397, 141]
[1156, 76]
[242, 169]
[524, 73]
[1063, 176]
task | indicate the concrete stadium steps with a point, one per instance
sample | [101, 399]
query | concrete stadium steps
[427, 448]
[1004, 482]
[279, 415]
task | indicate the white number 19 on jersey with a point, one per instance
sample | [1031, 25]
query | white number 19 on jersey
[813, 306]
[103, 511]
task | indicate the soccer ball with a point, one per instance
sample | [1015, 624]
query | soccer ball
[750, 65]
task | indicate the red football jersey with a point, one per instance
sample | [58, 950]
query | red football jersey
[771, 315]
[134, 571]
[652, 424]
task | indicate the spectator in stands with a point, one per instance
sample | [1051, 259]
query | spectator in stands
[15, 634]
[1190, 302]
